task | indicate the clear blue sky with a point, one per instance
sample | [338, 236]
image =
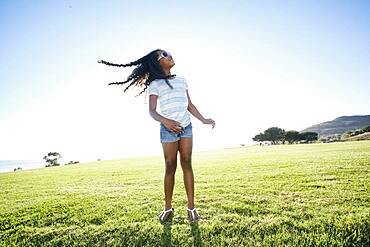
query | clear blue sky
[249, 65]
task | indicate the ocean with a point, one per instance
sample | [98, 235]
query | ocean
[9, 165]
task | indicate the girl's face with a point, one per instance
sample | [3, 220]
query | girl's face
[165, 60]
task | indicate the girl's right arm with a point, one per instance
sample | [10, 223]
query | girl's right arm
[170, 124]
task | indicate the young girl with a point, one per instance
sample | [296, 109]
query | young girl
[154, 71]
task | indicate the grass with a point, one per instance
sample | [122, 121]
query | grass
[293, 195]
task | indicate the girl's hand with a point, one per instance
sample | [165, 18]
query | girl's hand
[173, 126]
[209, 121]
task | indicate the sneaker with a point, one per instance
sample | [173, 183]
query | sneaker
[165, 214]
[193, 215]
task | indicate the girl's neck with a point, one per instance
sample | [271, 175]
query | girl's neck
[167, 72]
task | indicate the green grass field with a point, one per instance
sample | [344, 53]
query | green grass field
[294, 195]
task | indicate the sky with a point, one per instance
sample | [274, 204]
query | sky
[249, 65]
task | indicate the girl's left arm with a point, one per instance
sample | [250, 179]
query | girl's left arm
[194, 111]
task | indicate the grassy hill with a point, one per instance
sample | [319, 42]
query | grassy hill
[293, 195]
[340, 125]
[360, 137]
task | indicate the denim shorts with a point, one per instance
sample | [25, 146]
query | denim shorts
[169, 136]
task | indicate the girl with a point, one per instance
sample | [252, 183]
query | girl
[154, 71]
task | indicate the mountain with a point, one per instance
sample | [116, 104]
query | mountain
[340, 125]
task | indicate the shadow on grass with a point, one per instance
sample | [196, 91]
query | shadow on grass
[166, 235]
[196, 234]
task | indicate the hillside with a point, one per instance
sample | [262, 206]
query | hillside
[281, 195]
[340, 125]
[360, 137]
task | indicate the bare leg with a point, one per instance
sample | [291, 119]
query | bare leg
[170, 156]
[185, 148]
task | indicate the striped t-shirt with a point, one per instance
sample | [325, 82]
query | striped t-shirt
[173, 102]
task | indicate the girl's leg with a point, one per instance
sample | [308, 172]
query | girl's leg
[170, 156]
[185, 148]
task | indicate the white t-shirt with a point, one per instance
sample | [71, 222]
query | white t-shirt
[173, 102]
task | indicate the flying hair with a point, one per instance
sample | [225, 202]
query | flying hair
[147, 70]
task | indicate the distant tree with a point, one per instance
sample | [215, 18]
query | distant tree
[283, 139]
[52, 159]
[324, 139]
[309, 136]
[259, 138]
[355, 132]
[334, 138]
[349, 133]
[72, 162]
[366, 129]
[274, 134]
[292, 136]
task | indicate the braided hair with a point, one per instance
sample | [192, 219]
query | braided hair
[147, 70]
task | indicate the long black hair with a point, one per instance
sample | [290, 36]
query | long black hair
[147, 70]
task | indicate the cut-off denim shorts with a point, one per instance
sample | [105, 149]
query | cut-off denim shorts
[169, 136]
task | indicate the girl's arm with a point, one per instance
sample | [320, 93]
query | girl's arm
[170, 124]
[193, 110]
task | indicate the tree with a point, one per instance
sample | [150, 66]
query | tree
[259, 138]
[366, 129]
[52, 159]
[72, 162]
[308, 136]
[274, 134]
[292, 136]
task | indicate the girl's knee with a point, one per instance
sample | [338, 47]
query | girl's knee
[186, 163]
[170, 167]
